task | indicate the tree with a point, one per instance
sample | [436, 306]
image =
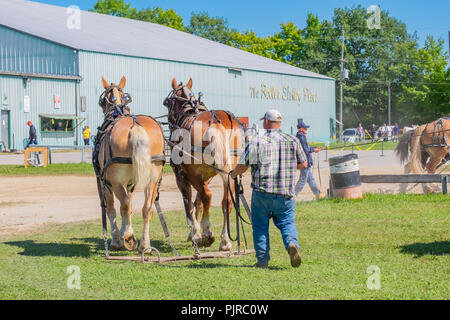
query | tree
[157, 15]
[212, 28]
[116, 8]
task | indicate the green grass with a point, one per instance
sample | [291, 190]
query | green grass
[56, 169]
[389, 145]
[406, 236]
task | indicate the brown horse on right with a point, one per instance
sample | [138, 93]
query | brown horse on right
[204, 139]
[430, 148]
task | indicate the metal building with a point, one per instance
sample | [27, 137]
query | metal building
[52, 60]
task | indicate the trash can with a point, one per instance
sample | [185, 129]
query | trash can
[344, 176]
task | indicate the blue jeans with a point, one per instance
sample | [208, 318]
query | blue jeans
[306, 176]
[282, 211]
[34, 141]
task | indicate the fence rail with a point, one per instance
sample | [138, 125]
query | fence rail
[408, 178]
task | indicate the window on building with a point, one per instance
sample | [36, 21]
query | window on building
[57, 123]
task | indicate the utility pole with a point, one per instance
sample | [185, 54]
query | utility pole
[341, 124]
[389, 102]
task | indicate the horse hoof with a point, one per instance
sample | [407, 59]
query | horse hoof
[130, 242]
[225, 247]
[208, 241]
[115, 247]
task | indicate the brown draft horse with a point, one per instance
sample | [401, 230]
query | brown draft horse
[430, 148]
[138, 139]
[210, 136]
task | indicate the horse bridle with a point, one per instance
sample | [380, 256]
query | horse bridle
[172, 97]
[111, 106]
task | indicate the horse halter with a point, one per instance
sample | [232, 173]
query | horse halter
[106, 103]
[172, 97]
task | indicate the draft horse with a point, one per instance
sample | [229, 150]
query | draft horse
[203, 139]
[429, 146]
[128, 154]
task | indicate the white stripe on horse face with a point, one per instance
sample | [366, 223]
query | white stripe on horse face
[116, 95]
[188, 91]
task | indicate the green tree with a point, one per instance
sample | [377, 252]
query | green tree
[212, 28]
[116, 8]
[157, 15]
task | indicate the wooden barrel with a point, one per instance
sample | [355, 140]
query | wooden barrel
[345, 178]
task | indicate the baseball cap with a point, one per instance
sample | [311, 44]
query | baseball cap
[302, 125]
[29, 122]
[272, 115]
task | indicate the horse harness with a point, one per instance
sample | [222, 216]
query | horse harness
[184, 119]
[189, 113]
[438, 138]
[112, 116]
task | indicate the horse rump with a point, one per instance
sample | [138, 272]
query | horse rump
[144, 171]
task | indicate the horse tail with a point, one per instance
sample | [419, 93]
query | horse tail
[144, 171]
[416, 151]
[218, 149]
[402, 149]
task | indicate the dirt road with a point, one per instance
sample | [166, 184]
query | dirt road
[29, 202]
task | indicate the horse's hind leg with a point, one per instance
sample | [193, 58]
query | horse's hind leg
[186, 192]
[431, 166]
[115, 244]
[126, 232]
[203, 201]
[147, 214]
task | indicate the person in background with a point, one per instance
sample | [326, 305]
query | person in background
[274, 159]
[396, 130]
[306, 175]
[383, 131]
[32, 139]
[389, 132]
[86, 135]
[373, 132]
[360, 132]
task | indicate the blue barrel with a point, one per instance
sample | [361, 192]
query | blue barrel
[345, 177]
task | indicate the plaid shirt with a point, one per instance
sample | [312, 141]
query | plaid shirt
[273, 159]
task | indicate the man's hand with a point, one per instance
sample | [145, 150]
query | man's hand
[302, 165]
[318, 149]
[240, 169]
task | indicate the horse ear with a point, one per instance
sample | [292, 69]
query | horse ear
[174, 83]
[105, 84]
[123, 82]
[189, 84]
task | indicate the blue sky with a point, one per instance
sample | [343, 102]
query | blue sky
[264, 16]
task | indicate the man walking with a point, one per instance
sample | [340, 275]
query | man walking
[32, 139]
[306, 175]
[274, 159]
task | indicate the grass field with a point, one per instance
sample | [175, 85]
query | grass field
[405, 236]
[56, 169]
[389, 145]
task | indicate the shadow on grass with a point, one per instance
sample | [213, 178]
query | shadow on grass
[36, 249]
[437, 248]
[99, 246]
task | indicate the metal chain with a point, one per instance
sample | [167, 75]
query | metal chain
[194, 242]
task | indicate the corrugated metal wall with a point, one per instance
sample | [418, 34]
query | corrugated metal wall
[22, 53]
[41, 93]
[149, 82]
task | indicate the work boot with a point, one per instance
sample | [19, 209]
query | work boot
[295, 255]
[261, 265]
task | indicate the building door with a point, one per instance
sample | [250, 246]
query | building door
[5, 128]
